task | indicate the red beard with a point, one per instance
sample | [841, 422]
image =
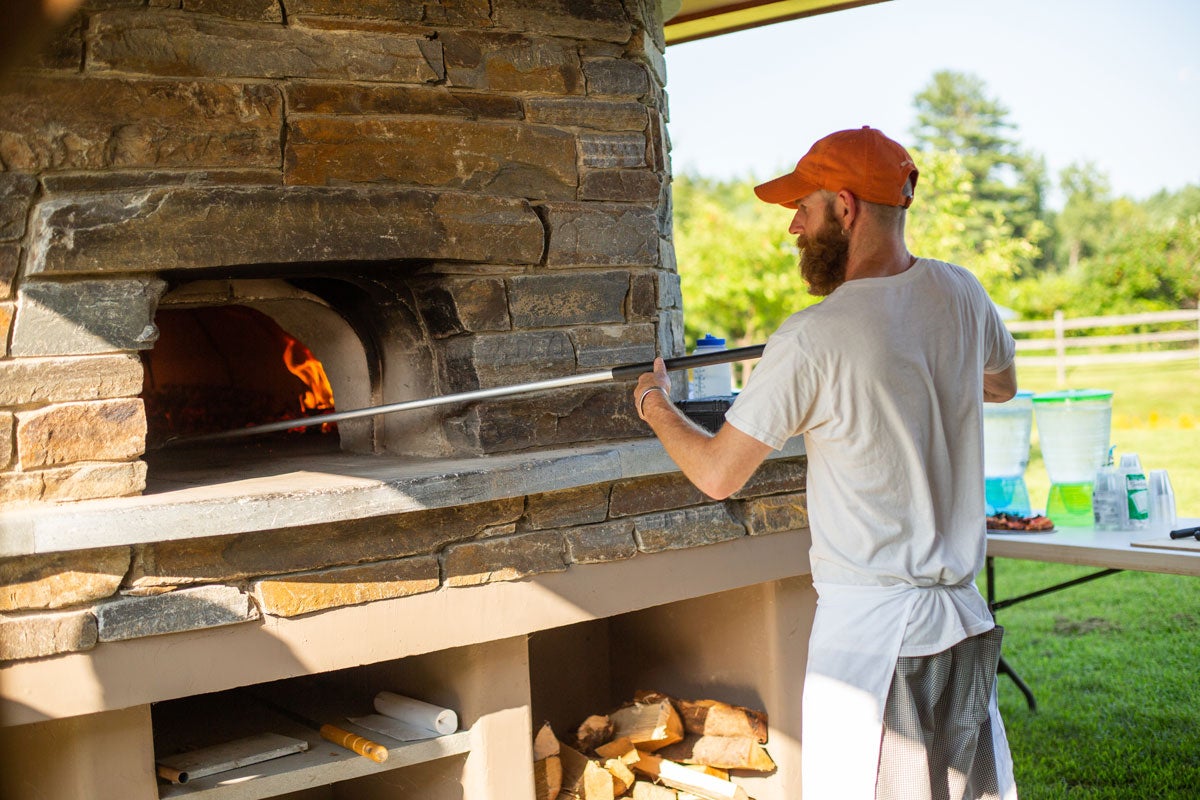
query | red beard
[823, 257]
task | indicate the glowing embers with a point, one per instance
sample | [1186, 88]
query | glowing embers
[218, 368]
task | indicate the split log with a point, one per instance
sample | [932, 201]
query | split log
[725, 752]
[644, 790]
[622, 775]
[649, 725]
[583, 778]
[680, 777]
[714, 718]
[621, 748]
[547, 766]
[593, 732]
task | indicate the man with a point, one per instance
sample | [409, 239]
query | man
[884, 378]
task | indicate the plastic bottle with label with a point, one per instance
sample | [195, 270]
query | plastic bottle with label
[714, 381]
[1108, 497]
[1137, 493]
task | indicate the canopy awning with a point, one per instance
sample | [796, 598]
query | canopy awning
[688, 20]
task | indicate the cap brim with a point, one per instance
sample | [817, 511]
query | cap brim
[786, 190]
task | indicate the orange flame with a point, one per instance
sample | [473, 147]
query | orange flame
[300, 362]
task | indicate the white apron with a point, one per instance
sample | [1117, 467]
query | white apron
[857, 636]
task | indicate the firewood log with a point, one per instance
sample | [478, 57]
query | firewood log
[547, 766]
[649, 725]
[714, 718]
[593, 732]
[725, 752]
[680, 777]
[644, 790]
[621, 748]
[583, 778]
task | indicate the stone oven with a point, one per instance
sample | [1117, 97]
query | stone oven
[201, 200]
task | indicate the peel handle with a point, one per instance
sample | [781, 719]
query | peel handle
[352, 741]
[688, 362]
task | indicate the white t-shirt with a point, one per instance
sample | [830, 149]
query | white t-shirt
[885, 380]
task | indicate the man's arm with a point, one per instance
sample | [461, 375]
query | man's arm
[1000, 386]
[718, 465]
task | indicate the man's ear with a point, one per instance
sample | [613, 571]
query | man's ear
[846, 209]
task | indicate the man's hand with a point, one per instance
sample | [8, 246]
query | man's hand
[648, 385]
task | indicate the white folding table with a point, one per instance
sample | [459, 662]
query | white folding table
[1150, 550]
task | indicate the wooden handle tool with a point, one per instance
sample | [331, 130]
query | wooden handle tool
[352, 741]
[332, 733]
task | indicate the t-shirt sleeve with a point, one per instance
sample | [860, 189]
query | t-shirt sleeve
[777, 400]
[999, 347]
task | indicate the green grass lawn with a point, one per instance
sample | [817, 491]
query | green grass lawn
[1115, 663]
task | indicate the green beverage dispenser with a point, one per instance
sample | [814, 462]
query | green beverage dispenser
[1073, 428]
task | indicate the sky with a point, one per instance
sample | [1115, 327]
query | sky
[1112, 82]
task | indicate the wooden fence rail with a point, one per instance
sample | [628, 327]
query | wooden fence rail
[1124, 348]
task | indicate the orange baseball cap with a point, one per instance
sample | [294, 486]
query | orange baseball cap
[864, 161]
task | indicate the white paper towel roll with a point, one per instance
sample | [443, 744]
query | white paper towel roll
[416, 713]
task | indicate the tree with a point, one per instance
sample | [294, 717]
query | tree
[738, 265]
[1086, 222]
[1006, 184]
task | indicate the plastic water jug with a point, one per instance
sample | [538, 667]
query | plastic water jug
[1073, 428]
[1006, 429]
[714, 381]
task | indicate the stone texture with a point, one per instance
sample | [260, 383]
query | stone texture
[16, 192]
[615, 76]
[58, 380]
[566, 508]
[504, 559]
[193, 45]
[629, 185]
[613, 345]
[73, 183]
[113, 430]
[360, 99]
[573, 298]
[596, 544]
[552, 419]
[580, 112]
[10, 258]
[603, 20]
[181, 610]
[530, 161]
[498, 359]
[37, 635]
[596, 234]
[648, 50]
[689, 527]
[105, 123]
[60, 580]
[774, 514]
[306, 592]
[653, 493]
[313, 547]
[399, 10]
[7, 311]
[612, 150]
[85, 317]
[454, 12]
[7, 425]
[451, 306]
[173, 228]
[511, 63]
[82, 481]
[775, 477]
[250, 10]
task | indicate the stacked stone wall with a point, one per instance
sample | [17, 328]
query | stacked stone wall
[507, 160]
[71, 602]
